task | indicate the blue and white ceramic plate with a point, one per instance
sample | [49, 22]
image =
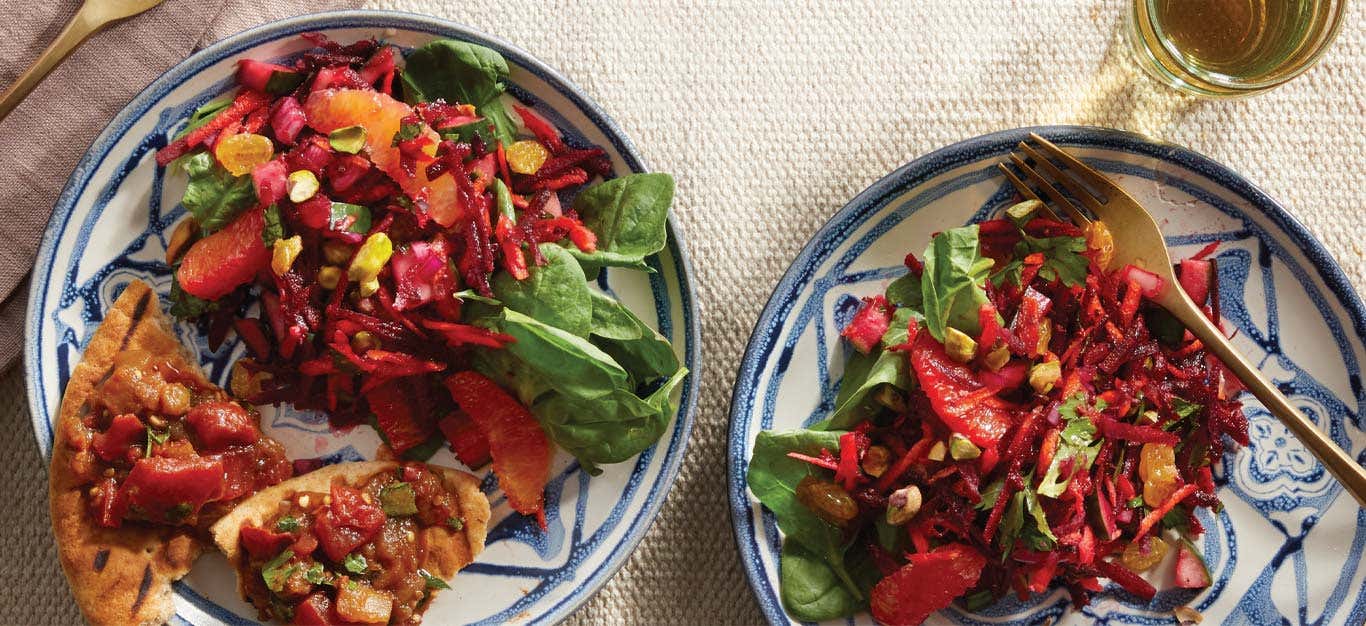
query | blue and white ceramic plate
[1288, 546]
[111, 224]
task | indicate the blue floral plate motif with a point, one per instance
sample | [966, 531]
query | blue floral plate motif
[1286, 549]
[111, 225]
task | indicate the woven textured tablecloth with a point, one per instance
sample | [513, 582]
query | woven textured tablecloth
[773, 115]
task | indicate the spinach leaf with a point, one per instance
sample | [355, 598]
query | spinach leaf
[629, 215]
[863, 377]
[773, 477]
[555, 293]
[274, 229]
[952, 284]
[582, 397]
[905, 292]
[608, 430]
[460, 72]
[644, 354]
[204, 113]
[1033, 530]
[898, 332]
[811, 589]
[214, 196]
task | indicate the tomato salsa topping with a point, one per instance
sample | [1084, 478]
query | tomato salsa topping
[161, 446]
[1016, 414]
[355, 554]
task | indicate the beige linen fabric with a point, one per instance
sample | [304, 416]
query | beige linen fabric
[772, 115]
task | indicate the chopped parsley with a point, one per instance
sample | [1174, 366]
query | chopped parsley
[318, 575]
[154, 437]
[354, 563]
[432, 581]
[278, 570]
[287, 524]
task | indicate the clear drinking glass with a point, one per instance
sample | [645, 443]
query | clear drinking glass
[1231, 48]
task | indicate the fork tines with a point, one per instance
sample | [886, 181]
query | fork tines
[1040, 166]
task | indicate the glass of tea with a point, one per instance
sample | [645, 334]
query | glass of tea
[1231, 48]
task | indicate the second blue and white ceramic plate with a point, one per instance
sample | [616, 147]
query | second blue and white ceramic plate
[1287, 547]
[111, 224]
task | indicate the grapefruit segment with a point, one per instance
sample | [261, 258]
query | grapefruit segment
[520, 449]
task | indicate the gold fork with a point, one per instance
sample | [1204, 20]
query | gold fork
[1138, 241]
[88, 20]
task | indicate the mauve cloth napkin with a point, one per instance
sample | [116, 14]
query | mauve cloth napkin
[42, 139]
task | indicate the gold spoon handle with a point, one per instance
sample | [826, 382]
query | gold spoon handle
[1339, 463]
[82, 25]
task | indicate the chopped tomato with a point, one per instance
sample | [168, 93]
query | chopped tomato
[110, 507]
[173, 489]
[961, 401]
[315, 610]
[520, 450]
[219, 425]
[927, 583]
[219, 263]
[252, 468]
[347, 523]
[125, 431]
[263, 543]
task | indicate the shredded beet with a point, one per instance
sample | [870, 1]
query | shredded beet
[1041, 473]
[373, 346]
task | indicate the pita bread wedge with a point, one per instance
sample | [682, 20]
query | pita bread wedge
[435, 519]
[119, 562]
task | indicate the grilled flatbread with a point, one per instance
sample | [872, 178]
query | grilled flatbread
[446, 547]
[130, 520]
[118, 575]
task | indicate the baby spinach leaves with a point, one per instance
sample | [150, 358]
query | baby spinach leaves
[644, 354]
[864, 376]
[773, 477]
[586, 402]
[460, 72]
[629, 215]
[555, 293]
[952, 283]
[214, 196]
[811, 589]
[204, 113]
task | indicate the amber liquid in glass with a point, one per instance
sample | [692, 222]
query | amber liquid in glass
[1233, 45]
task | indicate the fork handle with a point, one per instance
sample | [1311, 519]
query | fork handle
[1339, 463]
[82, 25]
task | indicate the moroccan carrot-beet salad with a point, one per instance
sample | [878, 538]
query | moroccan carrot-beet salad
[1016, 415]
[399, 242]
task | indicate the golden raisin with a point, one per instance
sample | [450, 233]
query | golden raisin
[1143, 554]
[1153, 456]
[527, 156]
[1160, 485]
[827, 500]
[242, 152]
